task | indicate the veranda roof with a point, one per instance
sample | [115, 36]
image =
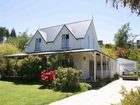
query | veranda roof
[54, 53]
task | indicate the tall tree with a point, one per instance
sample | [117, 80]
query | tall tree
[3, 33]
[13, 33]
[19, 41]
[122, 36]
[134, 5]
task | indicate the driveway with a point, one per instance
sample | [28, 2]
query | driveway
[107, 95]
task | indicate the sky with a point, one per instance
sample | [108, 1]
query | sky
[34, 14]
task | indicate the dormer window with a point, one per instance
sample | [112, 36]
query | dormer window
[38, 44]
[65, 41]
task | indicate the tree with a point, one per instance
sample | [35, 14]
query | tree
[122, 36]
[19, 41]
[134, 5]
[3, 33]
[6, 48]
[13, 33]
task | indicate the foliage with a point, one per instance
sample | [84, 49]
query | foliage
[18, 93]
[29, 67]
[13, 33]
[102, 82]
[54, 61]
[2, 65]
[109, 50]
[3, 33]
[115, 77]
[8, 49]
[122, 36]
[133, 55]
[134, 5]
[10, 67]
[130, 98]
[85, 87]
[62, 60]
[68, 79]
[19, 41]
[48, 76]
[7, 67]
[122, 52]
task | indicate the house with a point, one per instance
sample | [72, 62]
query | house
[137, 44]
[100, 42]
[125, 64]
[78, 39]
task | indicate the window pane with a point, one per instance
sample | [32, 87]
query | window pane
[65, 41]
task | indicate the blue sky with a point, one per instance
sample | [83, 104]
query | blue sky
[34, 14]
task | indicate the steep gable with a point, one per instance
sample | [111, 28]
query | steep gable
[78, 29]
[31, 44]
[50, 33]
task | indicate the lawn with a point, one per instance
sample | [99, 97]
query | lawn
[27, 94]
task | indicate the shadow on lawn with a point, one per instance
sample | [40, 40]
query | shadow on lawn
[22, 81]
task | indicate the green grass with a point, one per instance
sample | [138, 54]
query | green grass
[27, 94]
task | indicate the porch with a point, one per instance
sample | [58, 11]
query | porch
[94, 64]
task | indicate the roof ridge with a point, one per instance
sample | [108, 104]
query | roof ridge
[51, 26]
[78, 21]
[65, 24]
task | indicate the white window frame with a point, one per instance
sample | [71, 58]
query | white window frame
[65, 41]
[38, 44]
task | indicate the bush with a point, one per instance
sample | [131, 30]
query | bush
[115, 77]
[7, 67]
[85, 87]
[8, 49]
[105, 81]
[29, 67]
[48, 77]
[99, 83]
[68, 79]
[130, 98]
[2, 66]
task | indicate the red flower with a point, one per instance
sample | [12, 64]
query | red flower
[48, 75]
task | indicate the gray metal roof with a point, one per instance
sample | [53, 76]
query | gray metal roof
[78, 29]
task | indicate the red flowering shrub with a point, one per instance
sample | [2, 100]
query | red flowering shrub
[48, 76]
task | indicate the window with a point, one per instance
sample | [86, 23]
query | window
[65, 41]
[37, 44]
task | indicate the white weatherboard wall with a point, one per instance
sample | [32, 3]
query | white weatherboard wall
[88, 42]
[57, 43]
[83, 64]
[31, 46]
[73, 43]
[113, 67]
[90, 39]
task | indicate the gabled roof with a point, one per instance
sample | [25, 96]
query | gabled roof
[78, 29]
[123, 60]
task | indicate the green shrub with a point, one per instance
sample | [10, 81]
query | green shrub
[61, 60]
[8, 49]
[10, 67]
[7, 67]
[29, 67]
[102, 82]
[130, 98]
[2, 66]
[85, 87]
[99, 83]
[68, 79]
[115, 77]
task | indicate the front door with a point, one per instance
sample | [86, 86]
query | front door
[91, 69]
